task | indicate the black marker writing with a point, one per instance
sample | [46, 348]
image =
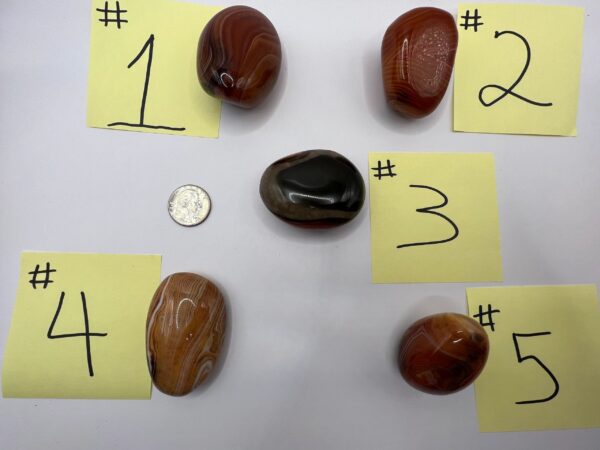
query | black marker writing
[504, 91]
[471, 20]
[87, 334]
[489, 314]
[35, 272]
[116, 12]
[149, 47]
[379, 170]
[431, 210]
[520, 359]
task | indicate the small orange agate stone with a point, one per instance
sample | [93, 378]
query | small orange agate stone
[443, 353]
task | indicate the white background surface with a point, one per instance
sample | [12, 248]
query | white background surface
[310, 360]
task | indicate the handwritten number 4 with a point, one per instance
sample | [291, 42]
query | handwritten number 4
[87, 334]
[521, 358]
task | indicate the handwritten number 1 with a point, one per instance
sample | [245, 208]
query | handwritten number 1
[431, 210]
[85, 334]
[147, 47]
[520, 359]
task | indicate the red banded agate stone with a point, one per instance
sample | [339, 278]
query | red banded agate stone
[239, 56]
[443, 353]
[417, 57]
[184, 332]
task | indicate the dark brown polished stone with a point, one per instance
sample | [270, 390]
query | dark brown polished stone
[314, 189]
[184, 332]
[417, 57]
[443, 353]
[239, 56]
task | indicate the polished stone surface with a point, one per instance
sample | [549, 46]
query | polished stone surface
[443, 353]
[417, 57]
[314, 188]
[239, 56]
[185, 329]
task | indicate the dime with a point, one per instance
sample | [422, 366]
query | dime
[189, 205]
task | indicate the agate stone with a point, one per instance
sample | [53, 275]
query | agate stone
[239, 56]
[417, 57]
[184, 332]
[314, 188]
[443, 353]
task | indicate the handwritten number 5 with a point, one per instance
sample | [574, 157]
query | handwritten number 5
[520, 359]
[431, 210]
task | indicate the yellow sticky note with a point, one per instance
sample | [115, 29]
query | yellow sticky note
[543, 367]
[517, 68]
[434, 217]
[78, 326]
[142, 73]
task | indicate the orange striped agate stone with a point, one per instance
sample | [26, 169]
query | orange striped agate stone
[417, 58]
[184, 332]
[443, 353]
[239, 56]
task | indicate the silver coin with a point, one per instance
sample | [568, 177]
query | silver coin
[189, 205]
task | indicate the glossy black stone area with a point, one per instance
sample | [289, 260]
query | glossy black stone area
[314, 189]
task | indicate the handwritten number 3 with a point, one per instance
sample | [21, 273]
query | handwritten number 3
[509, 91]
[520, 359]
[431, 210]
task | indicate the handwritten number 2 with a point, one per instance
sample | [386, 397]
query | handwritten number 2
[510, 90]
[87, 334]
[520, 359]
[431, 210]
[147, 47]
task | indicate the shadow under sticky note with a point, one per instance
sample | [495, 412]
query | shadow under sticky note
[517, 69]
[78, 327]
[142, 72]
[543, 370]
[434, 217]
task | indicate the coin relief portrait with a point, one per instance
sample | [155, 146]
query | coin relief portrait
[189, 205]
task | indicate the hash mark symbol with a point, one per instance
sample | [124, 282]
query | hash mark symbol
[117, 12]
[35, 272]
[471, 21]
[388, 167]
[489, 313]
